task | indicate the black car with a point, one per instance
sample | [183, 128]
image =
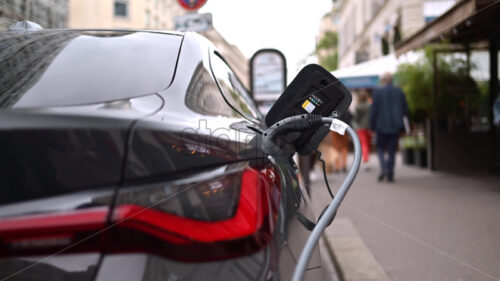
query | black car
[135, 155]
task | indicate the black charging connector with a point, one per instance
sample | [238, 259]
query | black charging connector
[314, 91]
[272, 141]
[302, 116]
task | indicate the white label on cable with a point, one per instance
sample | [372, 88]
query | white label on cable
[338, 126]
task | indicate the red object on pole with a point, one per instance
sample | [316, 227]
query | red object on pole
[192, 5]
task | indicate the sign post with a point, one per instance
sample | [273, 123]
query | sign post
[192, 5]
[193, 22]
[267, 77]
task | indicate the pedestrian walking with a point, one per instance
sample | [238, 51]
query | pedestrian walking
[340, 145]
[361, 121]
[328, 152]
[388, 109]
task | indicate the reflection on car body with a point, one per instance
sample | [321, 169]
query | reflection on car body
[136, 155]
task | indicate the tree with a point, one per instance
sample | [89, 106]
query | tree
[326, 51]
[417, 81]
[328, 41]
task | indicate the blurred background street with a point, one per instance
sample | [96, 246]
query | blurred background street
[440, 218]
[425, 225]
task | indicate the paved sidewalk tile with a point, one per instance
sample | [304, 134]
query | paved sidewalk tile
[426, 226]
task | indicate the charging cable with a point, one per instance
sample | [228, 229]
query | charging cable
[307, 122]
[287, 130]
[328, 215]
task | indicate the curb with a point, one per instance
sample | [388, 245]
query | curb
[352, 258]
[331, 271]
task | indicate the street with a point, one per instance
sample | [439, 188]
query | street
[152, 140]
[426, 225]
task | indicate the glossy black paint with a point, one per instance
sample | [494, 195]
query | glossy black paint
[173, 128]
[192, 130]
[161, 149]
[76, 267]
[38, 163]
[65, 266]
[69, 67]
[51, 151]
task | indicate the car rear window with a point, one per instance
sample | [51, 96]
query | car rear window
[232, 90]
[58, 67]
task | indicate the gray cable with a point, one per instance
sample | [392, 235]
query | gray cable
[311, 243]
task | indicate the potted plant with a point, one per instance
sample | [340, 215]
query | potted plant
[420, 151]
[408, 145]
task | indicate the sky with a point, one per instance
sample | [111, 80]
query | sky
[290, 26]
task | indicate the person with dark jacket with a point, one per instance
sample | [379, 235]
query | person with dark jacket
[388, 109]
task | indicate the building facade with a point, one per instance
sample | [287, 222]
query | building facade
[149, 14]
[327, 25]
[47, 13]
[234, 57]
[327, 39]
[103, 14]
[369, 29]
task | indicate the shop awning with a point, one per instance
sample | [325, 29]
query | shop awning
[366, 74]
[468, 21]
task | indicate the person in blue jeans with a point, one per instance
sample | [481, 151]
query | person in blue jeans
[388, 109]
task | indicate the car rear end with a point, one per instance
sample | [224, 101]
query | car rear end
[217, 221]
[96, 194]
[92, 190]
[58, 176]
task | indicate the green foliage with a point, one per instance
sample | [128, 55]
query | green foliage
[328, 41]
[453, 83]
[416, 80]
[328, 44]
[329, 62]
[409, 142]
[414, 142]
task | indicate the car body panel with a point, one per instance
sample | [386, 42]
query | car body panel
[70, 67]
[173, 128]
[73, 267]
[66, 203]
[184, 134]
[57, 150]
[147, 267]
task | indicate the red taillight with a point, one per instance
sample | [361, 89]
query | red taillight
[145, 228]
[75, 230]
[225, 215]
[246, 221]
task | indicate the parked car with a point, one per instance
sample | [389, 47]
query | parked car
[135, 155]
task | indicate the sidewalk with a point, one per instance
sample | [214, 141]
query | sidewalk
[425, 226]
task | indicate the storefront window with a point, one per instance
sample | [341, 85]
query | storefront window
[462, 91]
